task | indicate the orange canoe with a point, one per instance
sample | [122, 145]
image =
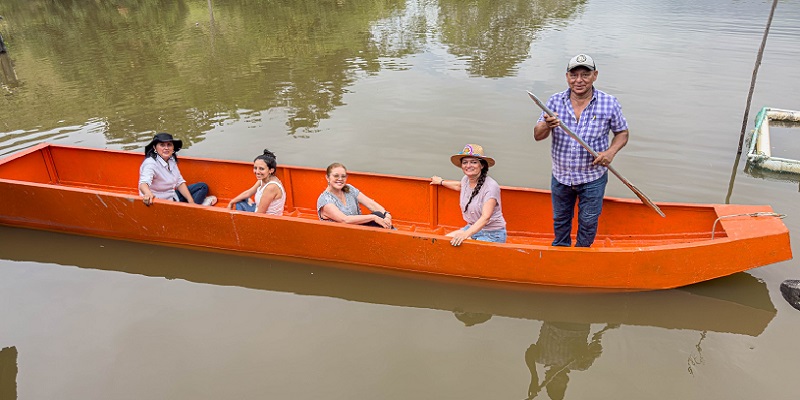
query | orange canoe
[93, 192]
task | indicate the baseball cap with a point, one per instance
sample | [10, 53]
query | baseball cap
[581, 60]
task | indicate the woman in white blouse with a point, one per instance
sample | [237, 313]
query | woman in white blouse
[159, 176]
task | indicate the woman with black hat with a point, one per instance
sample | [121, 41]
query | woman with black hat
[479, 200]
[159, 176]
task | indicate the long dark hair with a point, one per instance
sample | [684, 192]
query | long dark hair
[481, 179]
[346, 188]
[269, 158]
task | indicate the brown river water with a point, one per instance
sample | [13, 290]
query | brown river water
[392, 87]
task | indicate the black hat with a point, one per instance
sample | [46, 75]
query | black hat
[160, 138]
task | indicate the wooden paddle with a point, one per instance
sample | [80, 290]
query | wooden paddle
[643, 197]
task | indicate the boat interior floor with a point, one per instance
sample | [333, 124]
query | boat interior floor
[542, 238]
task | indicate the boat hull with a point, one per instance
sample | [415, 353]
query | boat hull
[75, 190]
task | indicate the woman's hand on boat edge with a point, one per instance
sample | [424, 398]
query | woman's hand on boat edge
[388, 218]
[147, 195]
[385, 223]
[458, 237]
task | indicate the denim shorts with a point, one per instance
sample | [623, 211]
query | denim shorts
[496, 236]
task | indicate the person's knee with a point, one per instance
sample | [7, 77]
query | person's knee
[589, 217]
[590, 210]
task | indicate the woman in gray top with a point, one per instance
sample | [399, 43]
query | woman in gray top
[340, 202]
[159, 176]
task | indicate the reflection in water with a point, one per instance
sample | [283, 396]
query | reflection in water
[471, 318]
[737, 304]
[757, 172]
[562, 347]
[8, 76]
[8, 373]
[696, 359]
[149, 67]
[185, 66]
[495, 36]
[2, 41]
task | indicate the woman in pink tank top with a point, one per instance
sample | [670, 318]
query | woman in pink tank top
[268, 190]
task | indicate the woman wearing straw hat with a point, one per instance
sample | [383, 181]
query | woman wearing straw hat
[159, 176]
[480, 197]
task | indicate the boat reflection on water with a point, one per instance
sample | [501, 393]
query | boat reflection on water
[735, 304]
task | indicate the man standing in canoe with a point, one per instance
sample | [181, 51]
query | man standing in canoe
[577, 175]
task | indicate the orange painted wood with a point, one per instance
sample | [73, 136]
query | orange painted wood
[93, 192]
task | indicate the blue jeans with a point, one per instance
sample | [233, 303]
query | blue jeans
[245, 205]
[590, 203]
[198, 190]
[496, 236]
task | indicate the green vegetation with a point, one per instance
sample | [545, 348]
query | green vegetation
[131, 67]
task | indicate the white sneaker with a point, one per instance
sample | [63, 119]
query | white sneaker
[210, 200]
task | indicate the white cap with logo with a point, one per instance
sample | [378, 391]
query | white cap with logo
[581, 60]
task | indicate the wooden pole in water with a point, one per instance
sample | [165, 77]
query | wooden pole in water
[749, 98]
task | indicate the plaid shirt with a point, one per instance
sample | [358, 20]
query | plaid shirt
[572, 164]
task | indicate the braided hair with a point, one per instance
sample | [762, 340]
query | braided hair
[481, 179]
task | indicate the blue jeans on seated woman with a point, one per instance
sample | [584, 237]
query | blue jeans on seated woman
[589, 197]
[245, 205]
[496, 236]
[199, 192]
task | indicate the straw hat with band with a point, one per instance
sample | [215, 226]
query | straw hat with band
[161, 138]
[471, 150]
